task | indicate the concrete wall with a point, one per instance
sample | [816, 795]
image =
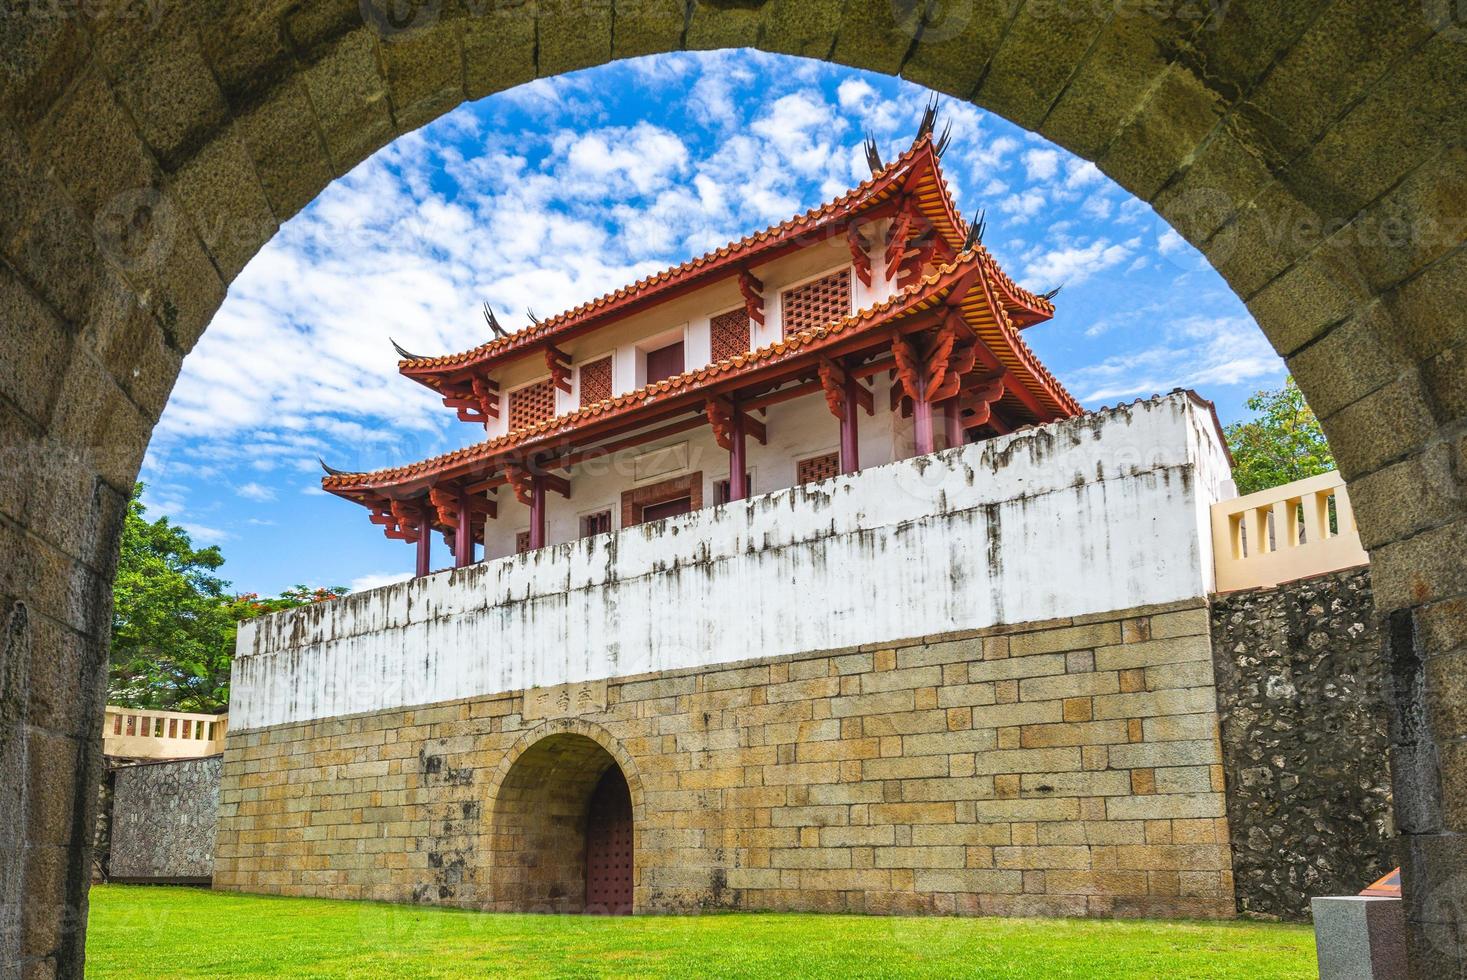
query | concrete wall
[1105, 512]
[1069, 767]
[163, 820]
[1305, 732]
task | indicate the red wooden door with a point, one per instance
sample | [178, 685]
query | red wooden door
[609, 847]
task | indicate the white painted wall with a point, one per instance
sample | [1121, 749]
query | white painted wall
[1101, 513]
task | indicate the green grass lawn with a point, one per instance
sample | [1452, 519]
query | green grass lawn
[138, 931]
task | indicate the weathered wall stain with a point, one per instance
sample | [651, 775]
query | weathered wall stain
[905, 531]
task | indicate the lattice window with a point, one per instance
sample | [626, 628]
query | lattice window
[522, 542]
[531, 404]
[817, 468]
[817, 303]
[730, 334]
[595, 382]
[598, 523]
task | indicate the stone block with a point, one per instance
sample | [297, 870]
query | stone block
[1032, 65]
[1065, 639]
[1160, 135]
[573, 35]
[1151, 653]
[1360, 938]
[1016, 667]
[283, 138]
[1068, 686]
[954, 43]
[1421, 569]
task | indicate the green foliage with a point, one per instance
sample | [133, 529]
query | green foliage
[1280, 444]
[174, 620]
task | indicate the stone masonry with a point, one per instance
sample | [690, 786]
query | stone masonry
[1312, 151]
[1300, 679]
[1070, 767]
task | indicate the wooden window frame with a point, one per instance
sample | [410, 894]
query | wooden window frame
[638, 499]
[850, 272]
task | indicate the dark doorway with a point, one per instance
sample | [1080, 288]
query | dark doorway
[609, 846]
[669, 508]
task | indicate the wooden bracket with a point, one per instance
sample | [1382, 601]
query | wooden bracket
[721, 414]
[486, 391]
[833, 379]
[753, 292]
[859, 256]
[559, 363]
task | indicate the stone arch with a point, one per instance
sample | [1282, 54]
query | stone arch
[1311, 150]
[538, 799]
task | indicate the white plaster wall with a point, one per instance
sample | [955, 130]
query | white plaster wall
[1096, 514]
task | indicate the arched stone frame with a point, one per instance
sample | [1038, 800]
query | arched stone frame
[1283, 140]
[504, 862]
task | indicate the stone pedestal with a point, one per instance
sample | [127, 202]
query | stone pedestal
[1360, 938]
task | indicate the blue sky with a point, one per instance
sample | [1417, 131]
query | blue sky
[566, 188]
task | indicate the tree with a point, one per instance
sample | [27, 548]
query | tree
[1280, 444]
[172, 633]
[174, 620]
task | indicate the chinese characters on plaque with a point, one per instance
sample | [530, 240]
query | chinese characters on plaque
[565, 700]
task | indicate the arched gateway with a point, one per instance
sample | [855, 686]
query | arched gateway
[563, 828]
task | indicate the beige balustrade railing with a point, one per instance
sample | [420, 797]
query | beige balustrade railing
[1290, 532]
[140, 733]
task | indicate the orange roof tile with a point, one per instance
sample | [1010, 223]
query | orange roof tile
[935, 199]
[914, 298]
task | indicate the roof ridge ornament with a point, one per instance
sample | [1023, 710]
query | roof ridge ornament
[331, 470]
[493, 322]
[873, 154]
[975, 230]
[928, 125]
[406, 355]
[1049, 296]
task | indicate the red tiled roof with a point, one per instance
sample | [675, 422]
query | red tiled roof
[933, 196]
[997, 332]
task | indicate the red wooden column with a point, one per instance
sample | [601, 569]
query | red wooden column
[922, 423]
[850, 448]
[463, 535]
[537, 511]
[737, 458]
[952, 422]
[425, 541]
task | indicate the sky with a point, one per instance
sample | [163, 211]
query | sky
[561, 190]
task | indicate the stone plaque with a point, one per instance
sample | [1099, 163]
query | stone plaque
[565, 700]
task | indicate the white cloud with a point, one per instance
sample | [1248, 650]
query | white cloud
[205, 535]
[255, 491]
[1023, 205]
[1192, 352]
[854, 93]
[1041, 165]
[376, 580]
[1073, 264]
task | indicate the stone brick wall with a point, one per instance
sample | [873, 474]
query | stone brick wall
[163, 820]
[1305, 741]
[1069, 767]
